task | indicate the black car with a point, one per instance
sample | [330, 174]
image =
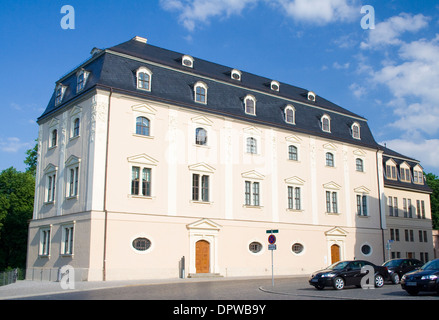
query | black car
[399, 267]
[424, 279]
[347, 273]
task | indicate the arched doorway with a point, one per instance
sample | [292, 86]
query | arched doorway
[335, 253]
[202, 256]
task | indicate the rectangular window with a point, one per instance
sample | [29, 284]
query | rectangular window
[51, 186]
[73, 181]
[45, 242]
[395, 206]
[410, 207]
[331, 202]
[135, 180]
[146, 182]
[290, 198]
[67, 246]
[294, 199]
[404, 207]
[297, 200]
[200, 190]
[423, 209]
[252, 193]
[418, 208]
[390, 206]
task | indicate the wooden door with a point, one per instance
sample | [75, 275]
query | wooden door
[335, 253]
[202, 256]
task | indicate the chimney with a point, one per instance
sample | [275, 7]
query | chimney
[140, 39]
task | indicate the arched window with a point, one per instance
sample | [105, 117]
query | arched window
[200, 92]
[290, 114]
[355, 131]
[292, 153]
[144, 76]
[250, 105]
[252, 145]
[359, 165]
[329, 159]
[326, 123]
[201, 136]
[142, 126]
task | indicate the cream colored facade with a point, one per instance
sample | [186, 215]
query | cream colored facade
[87, 216]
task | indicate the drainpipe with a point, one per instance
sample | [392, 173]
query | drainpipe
[379, 203]
[104, 263]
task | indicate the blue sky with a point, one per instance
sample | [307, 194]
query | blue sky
[389, 75]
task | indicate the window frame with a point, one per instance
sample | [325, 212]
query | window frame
[140, 71]
[326, 127]
[67, 239]
[142, 187]
[201, 187]
[252, 193]
[290, 108]
[143, 127]
[199, 139]
[81, 79]
[329, 162]
[293, 153]
[356, 131]
[45, 241]
[202, 86]
[72, 172]
[251, 98]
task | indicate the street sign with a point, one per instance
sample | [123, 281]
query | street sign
[272, 231]
[271, 239]
[271, 247]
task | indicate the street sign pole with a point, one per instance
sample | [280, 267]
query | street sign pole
[272, 247]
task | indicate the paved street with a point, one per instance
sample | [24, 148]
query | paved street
[291, 288]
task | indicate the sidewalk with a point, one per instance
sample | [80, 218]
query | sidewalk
[29, 288]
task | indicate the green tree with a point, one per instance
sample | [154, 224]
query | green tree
[31, 160]
[16, 207]
[433, 183]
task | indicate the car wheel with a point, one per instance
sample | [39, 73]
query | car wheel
[379, 281]
[338, 283]
[395, 278]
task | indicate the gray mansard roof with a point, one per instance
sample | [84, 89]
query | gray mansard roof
[115, 69]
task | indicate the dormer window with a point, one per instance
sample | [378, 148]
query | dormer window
[418, 176]
[59, 93]
[355, 128]
[82, 76]
[200, 92]
[236, 75]
[326, 123]
[250, 105]
[275, 85]
[391, 170]
[290, 114]
[144, 76]
[187, 61]
[311, 96]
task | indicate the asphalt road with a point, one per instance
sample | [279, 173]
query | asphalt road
[227, 289]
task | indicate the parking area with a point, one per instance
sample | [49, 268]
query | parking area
[299, 288]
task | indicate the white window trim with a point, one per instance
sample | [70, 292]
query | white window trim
[356, 124]
[148, 112]
[200, 84]
[149, 73]
[75, 113]
[50, 172]
[70, 251]
[71, 164]
[332, 187]
[187, 57]
[253, 177]
[63, 90]
[43, 237]
[275, 85]
[290, 107]
[142, 161]
[236, 72]
[85, 74]
[250, 97]
[201, 169]
[327, 117]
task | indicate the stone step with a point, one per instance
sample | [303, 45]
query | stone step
[204, 275]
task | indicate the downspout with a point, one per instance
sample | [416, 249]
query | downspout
[379, 204]
[104, 262]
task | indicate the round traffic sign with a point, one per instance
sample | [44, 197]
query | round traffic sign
[271, 239]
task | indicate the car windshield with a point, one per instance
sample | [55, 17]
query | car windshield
[338, 265]
[432, 265]
[392, 263]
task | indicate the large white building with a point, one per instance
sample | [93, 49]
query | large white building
[147, 156]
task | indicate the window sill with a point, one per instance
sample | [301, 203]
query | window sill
[362, 216]
[201, 202]
[251, 206]
[142, 136]
[136, 196]
[72, 198]
[333, 213]
[49, 203]
[295, 210]
[74, 138]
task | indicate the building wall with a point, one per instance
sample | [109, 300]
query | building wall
[401, 223]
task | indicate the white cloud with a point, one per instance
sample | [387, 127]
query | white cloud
[426, 151]
[194, 11]
[320, 12]
[389, 32]
[357, 90]
[13, 145]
